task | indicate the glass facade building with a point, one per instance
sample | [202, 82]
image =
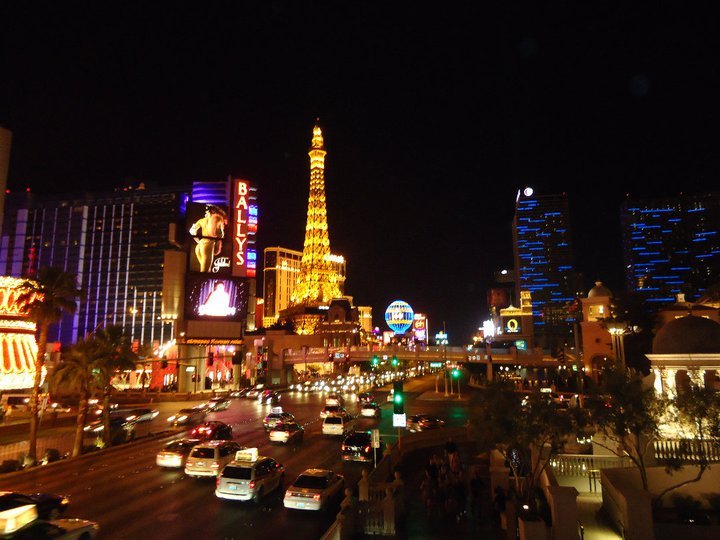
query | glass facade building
[544, 264]
[671, 246]
[113, 241]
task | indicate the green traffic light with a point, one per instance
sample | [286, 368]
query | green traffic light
[394, 361]
[375, 360]
[398, 398]
[455, 373]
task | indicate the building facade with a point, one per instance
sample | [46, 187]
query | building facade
[113, 241]
[544, 264]
[671, 246]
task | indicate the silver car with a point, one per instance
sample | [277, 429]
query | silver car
[249, 478]
[209, 458]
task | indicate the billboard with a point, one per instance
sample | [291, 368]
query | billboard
[209, 298]
[420, 327]
[211, 250]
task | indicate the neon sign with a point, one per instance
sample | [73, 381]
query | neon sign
[241, 214]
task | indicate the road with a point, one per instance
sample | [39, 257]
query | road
[130, 497]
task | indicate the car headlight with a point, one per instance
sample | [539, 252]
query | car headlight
[182, 418]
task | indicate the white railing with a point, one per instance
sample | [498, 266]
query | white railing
[583, 464]
[687, 450]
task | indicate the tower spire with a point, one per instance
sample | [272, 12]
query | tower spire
[317, 283]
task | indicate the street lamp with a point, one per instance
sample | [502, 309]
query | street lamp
[617, 331]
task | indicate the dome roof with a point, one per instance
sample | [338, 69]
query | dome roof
[688, 335]
[599, 290]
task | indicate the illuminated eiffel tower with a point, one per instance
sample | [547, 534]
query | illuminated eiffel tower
[317, 283]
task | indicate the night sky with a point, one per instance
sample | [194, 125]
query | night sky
[433, 119]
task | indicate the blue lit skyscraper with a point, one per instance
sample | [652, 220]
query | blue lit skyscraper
[544, 264]
[671, 246]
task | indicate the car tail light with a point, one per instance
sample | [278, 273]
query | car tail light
[344, 447]
[252, 484]
[367, 449]
[217, 482]
[316, 497]
[215, 465]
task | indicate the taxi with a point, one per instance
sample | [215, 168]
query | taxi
[249, 477]
[22, 523]
[276, 416]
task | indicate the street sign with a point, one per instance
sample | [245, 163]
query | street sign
[375, 438]
[399, 420]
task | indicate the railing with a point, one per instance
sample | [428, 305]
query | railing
[687, 450]
[582, 464]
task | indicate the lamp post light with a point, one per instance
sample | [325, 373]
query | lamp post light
[617, 331]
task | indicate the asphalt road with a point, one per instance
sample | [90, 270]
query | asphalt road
[130, 497]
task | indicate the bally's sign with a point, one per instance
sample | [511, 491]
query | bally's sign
[241, 195]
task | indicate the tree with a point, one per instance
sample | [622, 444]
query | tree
[114, 354]
[527, 429]
[628, 413]
[52, 294]
[78, 370]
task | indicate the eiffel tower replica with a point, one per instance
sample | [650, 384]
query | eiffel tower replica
[317, 283]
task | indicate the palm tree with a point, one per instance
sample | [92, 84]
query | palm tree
[78, 370]
[115, 354]
[52, 294]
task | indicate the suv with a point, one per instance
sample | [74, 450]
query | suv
[275, 417]
[208, 459]
[249, 477]
[338, 425]
[358, 447]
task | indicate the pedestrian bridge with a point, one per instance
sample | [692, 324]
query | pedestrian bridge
[460, 355]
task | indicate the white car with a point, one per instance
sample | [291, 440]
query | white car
[22, 523]
[313, 489]
[249, 477]
[371, 410]
[175, 453]
[209, 458]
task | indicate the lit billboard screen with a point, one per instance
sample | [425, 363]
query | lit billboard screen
[215, 299]
[420, 327]
[211, 248]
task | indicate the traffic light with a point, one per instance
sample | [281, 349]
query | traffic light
[455, 373]
[211, 358]
[375, 360]
[398, 398]
[395, 361]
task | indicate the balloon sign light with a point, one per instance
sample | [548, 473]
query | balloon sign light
[399, 316]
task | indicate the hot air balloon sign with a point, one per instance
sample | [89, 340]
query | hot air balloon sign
[399, 316]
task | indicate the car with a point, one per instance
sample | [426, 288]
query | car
[22, 523]
[255, 391]
[208, 458]
[239, 393]
[212, 430]
[218, 404]
[249, 477]
[276, 416]
[121, 429]
[371, 410]
[338, 425]
[142, 414]
[287, 432]
[332, 410]
[357, 446]
[423, 422]
[391, 394]
[268, 397]
[187, 416]
[175, 453]
[313, 489]
[365, 397]
[48, 505]
[56, 406]
[335, 399]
